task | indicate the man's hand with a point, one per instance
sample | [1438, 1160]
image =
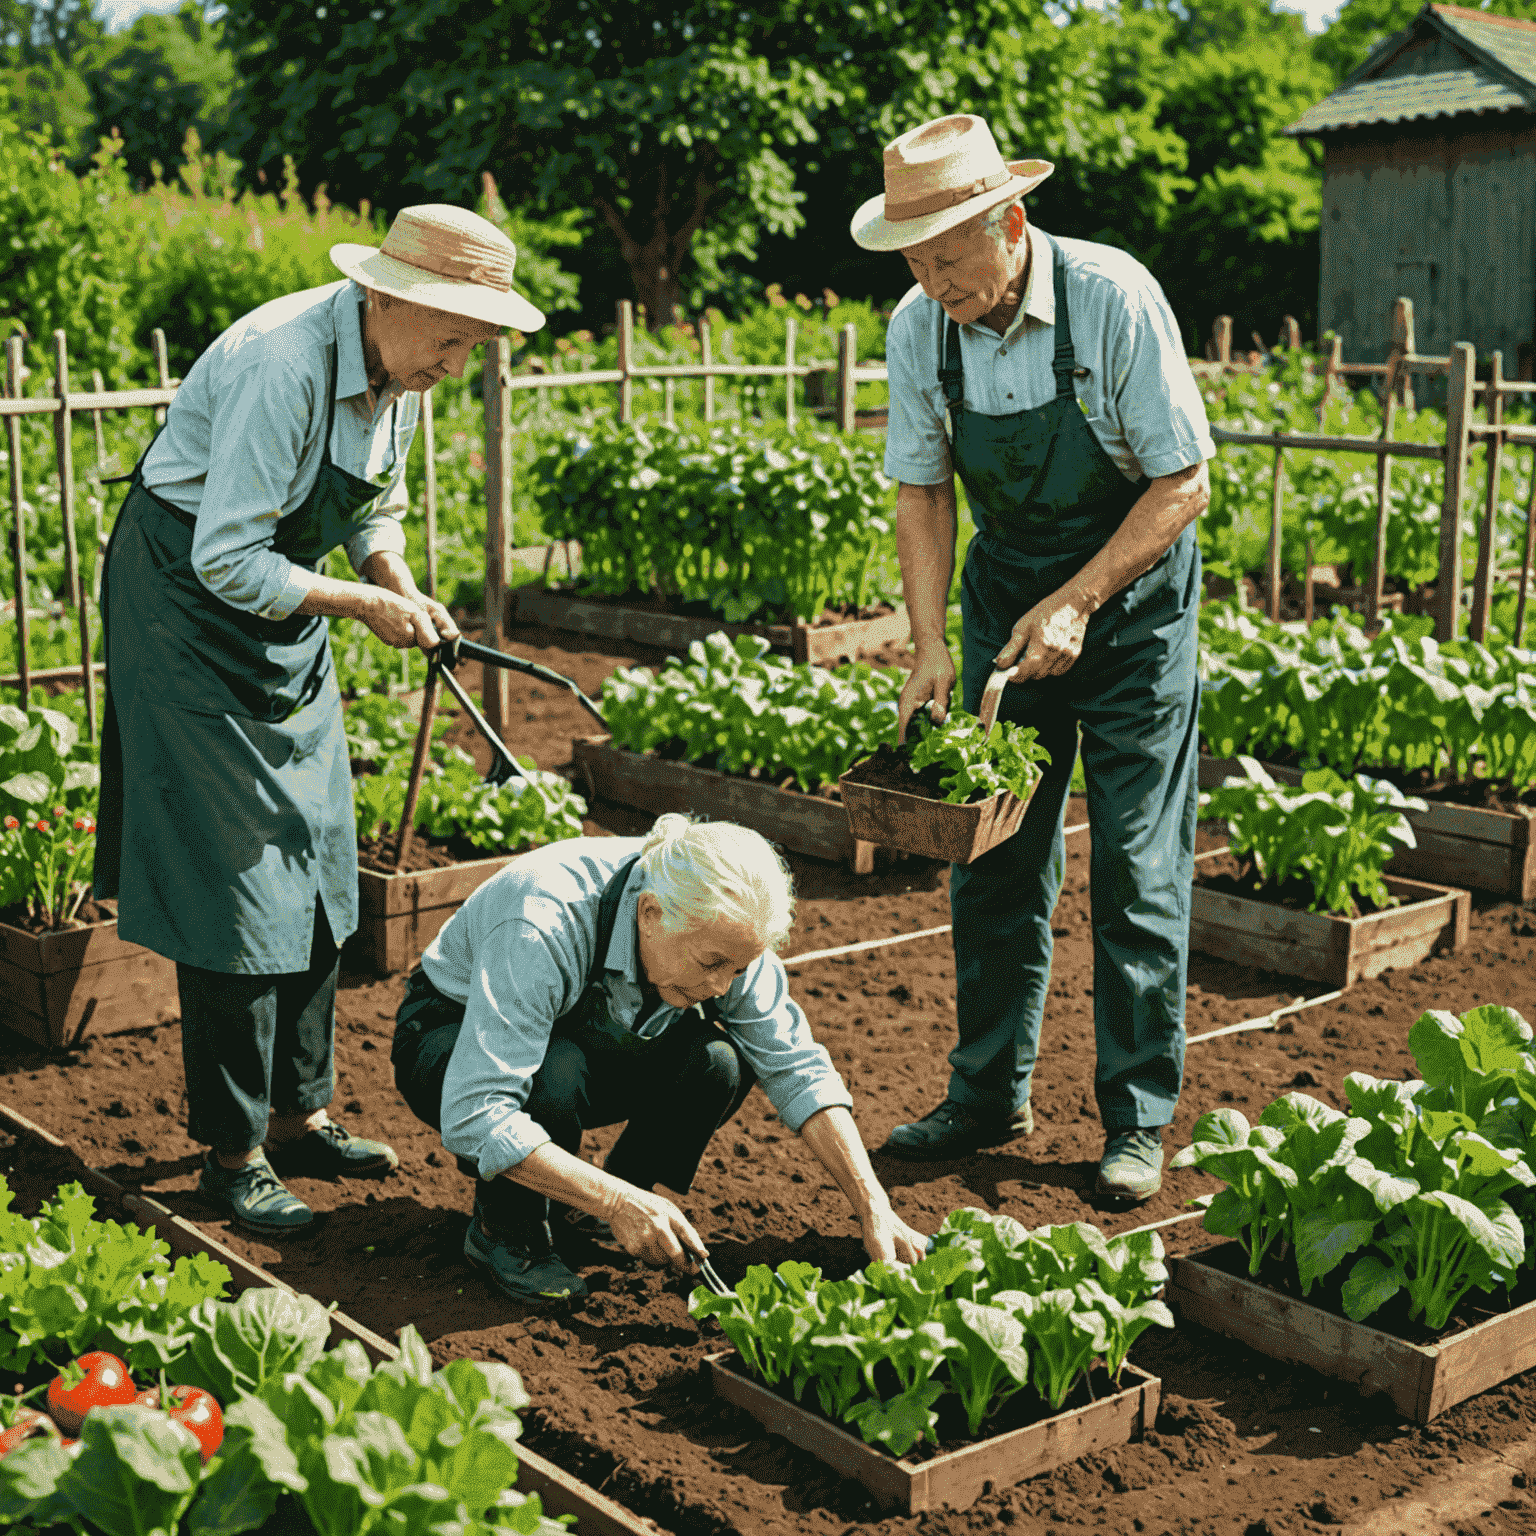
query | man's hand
[1048, 639]
[931, 679]
[649, 1227]
[401, 621]
[889, 1239]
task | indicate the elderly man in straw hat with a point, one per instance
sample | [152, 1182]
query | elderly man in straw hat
[1050, 376]
[619, 979]
[226, 824]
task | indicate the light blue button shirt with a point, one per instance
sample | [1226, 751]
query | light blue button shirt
[518, 954]
[1133, 383]
[242, 444]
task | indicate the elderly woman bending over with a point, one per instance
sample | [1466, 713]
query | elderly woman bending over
[609, 979]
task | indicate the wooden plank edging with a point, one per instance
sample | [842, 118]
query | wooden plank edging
[562, 1494]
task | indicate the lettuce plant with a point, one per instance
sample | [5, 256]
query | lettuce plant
[979, 763]
[1337, 836]
[995, 1310]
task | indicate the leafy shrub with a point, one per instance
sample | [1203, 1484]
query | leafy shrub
[980, 763]
[1335, 835]
[955, 1322]
[741, 709]
[751, 524]
[1416, 1174]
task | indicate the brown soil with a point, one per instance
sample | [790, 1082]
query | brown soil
[1243, 1446]
[378, 853]
[889, 768]
[19, 916]
[1229, 876]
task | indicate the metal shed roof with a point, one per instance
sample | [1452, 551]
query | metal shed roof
[1494, 71]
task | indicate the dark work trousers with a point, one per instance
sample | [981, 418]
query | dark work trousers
[258, 1045]
[675, 1090]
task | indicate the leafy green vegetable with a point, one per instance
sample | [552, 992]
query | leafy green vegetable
[979, 763]
[955, 1322]
[237, 1347]
[70, 1283]
[1336, 836]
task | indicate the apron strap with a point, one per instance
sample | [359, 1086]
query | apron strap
[1064, 364]
[951, 372]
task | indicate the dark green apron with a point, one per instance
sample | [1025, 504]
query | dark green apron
[226, 795]
[1046, 497]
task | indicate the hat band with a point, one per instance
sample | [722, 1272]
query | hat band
[488, 267]
[937, 202]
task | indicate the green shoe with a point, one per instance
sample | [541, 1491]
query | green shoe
[1132, 1165]
[330, 1152]
[253, 1196]
[952, 1130]
[523, 1265]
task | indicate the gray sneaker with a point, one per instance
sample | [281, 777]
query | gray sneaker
[253, 1196]
[1132, 1165]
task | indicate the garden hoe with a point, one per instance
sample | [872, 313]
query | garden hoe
[504, 766]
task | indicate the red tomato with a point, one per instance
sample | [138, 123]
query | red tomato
[96, 1380]
[193, 1409]
[29, 1424]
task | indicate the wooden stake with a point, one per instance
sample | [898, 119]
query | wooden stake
[1493, 446]
[847, 355]
[418, 763]
[495, 688]
[99, 500]
[1276, 500]
[163, 367]
[790, 328]
[626, 319]
[64, 450]
[1221, 338]
[709, 380]
[13, 368]
[1290, 334]
[669, 402]
[1383, 503]
[1458, 419]
[1330, 375]
[429, 487]
[1306, 600]
[1403, 342]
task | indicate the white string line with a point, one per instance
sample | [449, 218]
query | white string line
[1269, 1020]
[922, 933]
[1152, 1226]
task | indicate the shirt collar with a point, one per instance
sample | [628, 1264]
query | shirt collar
[351, 366]
[624, 947]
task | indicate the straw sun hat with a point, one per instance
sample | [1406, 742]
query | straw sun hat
[446, 258]
[938, 176]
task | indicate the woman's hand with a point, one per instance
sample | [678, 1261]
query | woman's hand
[931, 681]
[889, 1239]
[651, 1228]
[1048, 639]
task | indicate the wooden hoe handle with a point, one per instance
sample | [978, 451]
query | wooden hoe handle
[992, 696]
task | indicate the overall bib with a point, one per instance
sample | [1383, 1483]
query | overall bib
[1046, 497]
[226, 796]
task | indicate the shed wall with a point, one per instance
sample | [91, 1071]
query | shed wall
[1441, 213]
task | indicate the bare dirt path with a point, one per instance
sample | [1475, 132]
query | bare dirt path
[1243, 1445]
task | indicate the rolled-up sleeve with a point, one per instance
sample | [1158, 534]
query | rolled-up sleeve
[243, 494]
[1156, 397]
[520, 986]
[916, 444]
[774, 1035]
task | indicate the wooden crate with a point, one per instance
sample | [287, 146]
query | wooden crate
[1336, 950]
[399, 915]
[821, 645]
[1458, 844]
[802, 823]
[1422, 1380]
[956, 1478]
[56, 986]
[562, 1494]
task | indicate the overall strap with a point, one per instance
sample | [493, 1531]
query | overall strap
[1064, 364]
[951, 372]
[330, 401]
[608, 914]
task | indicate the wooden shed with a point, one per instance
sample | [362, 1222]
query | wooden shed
[1429, 188]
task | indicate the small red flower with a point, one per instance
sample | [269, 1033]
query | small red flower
[42, 826]
[59, 810]
[11, 823]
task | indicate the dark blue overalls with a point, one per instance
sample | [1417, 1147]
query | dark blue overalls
[1046, 498]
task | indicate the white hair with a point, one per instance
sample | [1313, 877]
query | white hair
[993, 219]
[703, 872]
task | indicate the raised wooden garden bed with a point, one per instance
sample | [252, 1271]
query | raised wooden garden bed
[1422, 1380]
[398, 915]
[56, 986]
[954, 1478]
[1462, 845]
[821, 645]
[1317, 946]
[561, 1494]
[802, 823]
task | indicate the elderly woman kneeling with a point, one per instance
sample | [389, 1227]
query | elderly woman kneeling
[619, 979]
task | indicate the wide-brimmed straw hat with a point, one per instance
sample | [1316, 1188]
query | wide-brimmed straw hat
[938, 176]
[446, 258]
